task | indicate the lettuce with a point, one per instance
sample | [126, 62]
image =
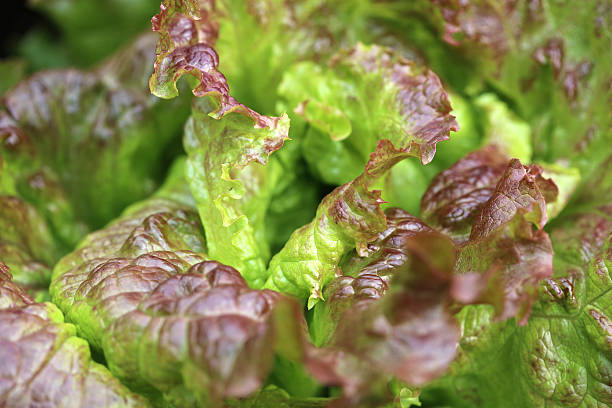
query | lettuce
[406, 103]
[376, 203]
[561, 357]
[142, 291]
[44, 362]
[550, 60]
[67, 130]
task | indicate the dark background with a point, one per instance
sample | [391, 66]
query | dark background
[18, 22]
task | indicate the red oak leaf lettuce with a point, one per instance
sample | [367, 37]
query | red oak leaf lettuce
[391, 313]
[490, 208]
[456, 195]
[561, 357]
[551, 59]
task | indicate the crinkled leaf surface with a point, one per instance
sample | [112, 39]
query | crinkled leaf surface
[456, 195]
[228, 146]
[44, 363]
[561, 358]
[348, 218]
[170, 323]
[164, 223]
[257, 40]
[503, 237]
[551, 59]
[490, 206]
[368, 93]
[233, 182]
[390, 313]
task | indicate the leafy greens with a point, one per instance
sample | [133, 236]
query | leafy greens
[377, 203]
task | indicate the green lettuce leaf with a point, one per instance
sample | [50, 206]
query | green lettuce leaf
[348, 218]
[44, 362]
[228, 146]
[596, 190]
[550, 59]
[82, 145]
[26, 245]
[485, 121]
[504, 129]
[259, 40]
[170, 323]
[233, 182]
[368, 93]
[351, 216]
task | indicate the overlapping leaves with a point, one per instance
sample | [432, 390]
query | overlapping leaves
[466, 301]
[43, 362]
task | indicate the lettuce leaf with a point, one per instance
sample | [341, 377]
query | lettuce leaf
[409, 332]
[43, 362]
[562, 356]
[456, 195]
[490, 205]
[26, 245]
[503, 238]
[348, 218]
[406, 104]
[171, 324]
[259, 40]
[497, 257]
[550, 60]
[66, 131]
[390, 315]
[233, 181]
[228, 146]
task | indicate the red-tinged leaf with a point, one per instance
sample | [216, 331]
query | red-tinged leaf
[43, 362]
[395, 321]
[170, 323]
[348, 218]
[455, 196]
[505, 245]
